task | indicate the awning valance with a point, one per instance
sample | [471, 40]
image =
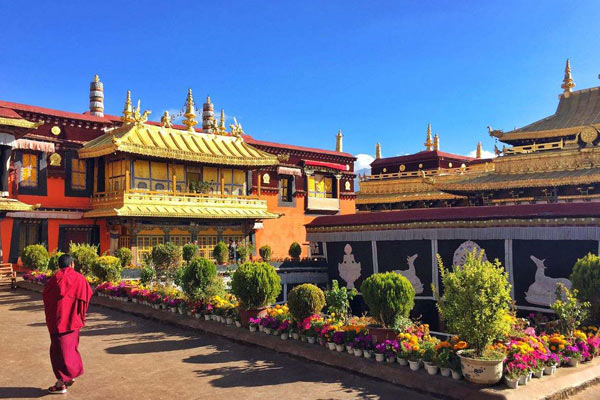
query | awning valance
[339, 167]
[27, 144]
[289, 171]
[7, 140]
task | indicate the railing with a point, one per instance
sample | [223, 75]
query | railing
[531, 148]
[486, 167]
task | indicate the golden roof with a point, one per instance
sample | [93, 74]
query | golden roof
[163, 142]
[14, 205]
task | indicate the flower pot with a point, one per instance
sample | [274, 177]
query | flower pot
[339, 348]
[302, 338]
[284, 336]
[238, 324]
[573, 362]
[197, 316]
[379, 357]
[245, 315]
[381, 334]
[229, 321]
[252, 328]
[402, 361]
[180, 311]
[530, 376]
[331, 346]
[206, 317]
[414, 365]
[390, 360]
[456, 375]
[189, 313]
[358, 352]
[311, 340]
[295, 336]
[538, 374]
[261, 328]
[275, 332]
[445, 371]
[134, 300]
[367, 354]
[157, 307]
[349, 349]
[550, 370]
[267, 331]
[511, 383]
[523, 380]
[173, 310]
[484, 372]
[432, 369]
[163, 306]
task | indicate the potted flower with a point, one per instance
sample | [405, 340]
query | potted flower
[380, 349]
[338, 339]
[443, 356]
[253, 324]
[414, 354]
[572, 355]
[283, 329]
[390, 297]
[388, 348]
[475, 305]
[550, 364]
[429, 356]
[255, 285]
[514, 371]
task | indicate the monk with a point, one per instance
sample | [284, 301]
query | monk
[66, 299]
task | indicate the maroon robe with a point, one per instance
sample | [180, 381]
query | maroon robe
[66, 299]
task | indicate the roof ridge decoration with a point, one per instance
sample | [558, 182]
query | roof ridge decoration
[127, 109]
[568, 82]
[428, 142]
[190, 113]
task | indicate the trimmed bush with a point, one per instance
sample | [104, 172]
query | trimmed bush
[476, 300]
[165, 257]
[199, 279]
[305, 300]
[35, 256]
[53, 263]
[256, 285]
[84, 255]
[221, 253]
[189, 251]
[125, 256]
[389, 296]
[244, 252]
[147, 274]
[586, 280]
[107, 268]
[295, 251]
[265, 252]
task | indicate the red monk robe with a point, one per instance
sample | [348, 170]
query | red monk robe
[66, 299]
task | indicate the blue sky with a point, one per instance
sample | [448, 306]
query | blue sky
[296, 72]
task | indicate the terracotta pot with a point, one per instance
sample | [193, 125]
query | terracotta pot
[483, 372]
[381, 334]
[245, 315]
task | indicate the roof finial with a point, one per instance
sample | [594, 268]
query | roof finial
[96, 97]
[128, 109]
[428, 142]
[338, 141]
[568, 82]
[208, 115]
[222, 128]
[478, 151]
[378, 151]
[190, 112]
[436, 142]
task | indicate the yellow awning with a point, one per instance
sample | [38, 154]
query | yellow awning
[157, 141]
[14, 205]
[19, 123]
[180, 212]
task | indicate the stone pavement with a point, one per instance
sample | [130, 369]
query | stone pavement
[133, 358]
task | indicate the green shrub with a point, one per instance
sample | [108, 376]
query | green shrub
[53, 262]
[389, 296]
[244, 252]
[476, 300]
[570, 313]
[295, 250]
[84, 255]
[147, 274]
[165, 257]
[338, 301]
[189, 251]
[305, 300]
[265, 253]
[107, 268]
[199, 279]
[125, 256]
[35, 256]
[586, 280]
[256, 285]
[221, 253]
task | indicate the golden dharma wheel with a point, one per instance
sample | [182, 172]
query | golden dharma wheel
[589, 134]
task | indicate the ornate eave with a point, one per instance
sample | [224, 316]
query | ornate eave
[19, 123]
[7, 204]
[406, 197]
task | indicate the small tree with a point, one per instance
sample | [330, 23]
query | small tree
[586, 280]
[570, 313]
[125, 256]
[265, 253]
[476, 300]
[35, 256]
[84, 255]
[189, 251]
[199, 279]
[338, 301]
[53, 263]
[305, 300]
[389, 296]
[166, 257]
[256, 285]
[221, 253]
[244, 252]
[295, 251]
[107, 268]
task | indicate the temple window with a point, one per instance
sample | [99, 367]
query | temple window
[286, 184]
[116, 171]
[30, 232]
[78, 174]
[233, 181]
[29, 170]
[209, 175]
[320, 186]
[206, 245]
[145, 243]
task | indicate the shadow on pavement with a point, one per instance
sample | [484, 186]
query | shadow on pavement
[21, 392]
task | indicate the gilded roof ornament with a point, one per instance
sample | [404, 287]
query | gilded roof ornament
[338, 141]
[190, 112]
[208, 114]
[165, 120]
[568, 82]
[478, 151]
[436, 142]
[236, 128]
[128, 109]
[378, 151]
[140, 118]
[222, 129]
[428, 142]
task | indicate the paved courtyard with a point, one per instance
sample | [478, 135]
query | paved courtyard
[133, 358]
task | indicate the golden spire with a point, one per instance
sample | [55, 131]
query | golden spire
[378, 151]
[96, 78]
[222, 128]
[190, 112]
[428, 143]
[478, 151]
[436, 142]
[338, 141]
[128, 109]
[568, 82]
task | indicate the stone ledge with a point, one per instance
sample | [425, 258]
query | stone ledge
[565, 382]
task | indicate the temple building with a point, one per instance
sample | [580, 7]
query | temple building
[125, 181]
[534, 207]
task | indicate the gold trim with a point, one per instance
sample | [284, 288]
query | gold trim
[15, 205]
[509, 136]
[20, 123]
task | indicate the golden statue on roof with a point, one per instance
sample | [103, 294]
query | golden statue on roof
[165, 120]
[236, 128]
[140, 118]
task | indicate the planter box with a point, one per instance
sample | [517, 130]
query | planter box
[245, 315]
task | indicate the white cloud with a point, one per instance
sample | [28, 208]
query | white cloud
[363, 161]
[484, 154]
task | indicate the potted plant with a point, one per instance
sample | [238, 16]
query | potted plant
[390, 297]
[429, 356]
[380, 349]
[221, 253]
[255, 285]
[572, 354]
[414, 354]
[253, 324]
[337, 300]
[338, 339]
[513, 371]
[443, 356]
[550, 364]
[305, 300]
[475, 305]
